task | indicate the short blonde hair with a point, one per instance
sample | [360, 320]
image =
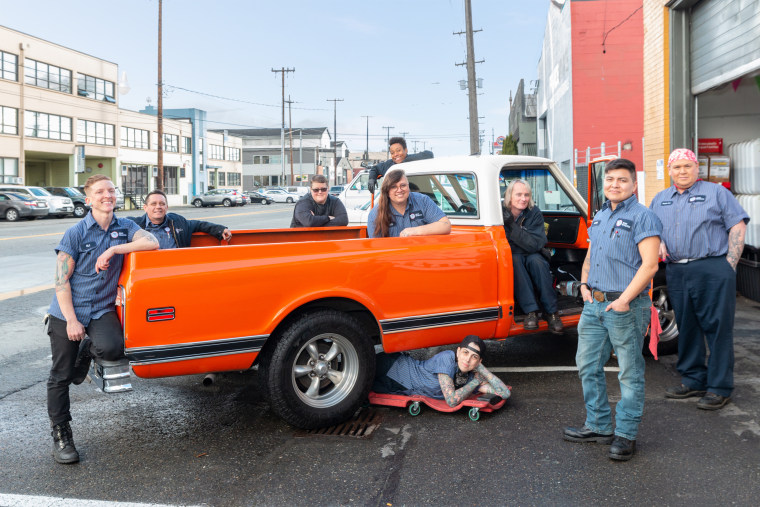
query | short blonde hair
[94, 179]
[511, 188]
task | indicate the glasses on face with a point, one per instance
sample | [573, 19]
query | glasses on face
[318, 190]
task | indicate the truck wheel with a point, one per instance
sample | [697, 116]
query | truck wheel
[319, 371]
[669, 337]
[198, 203]
[79, 210]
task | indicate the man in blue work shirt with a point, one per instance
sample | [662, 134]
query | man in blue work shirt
[173, 230]
[702, 241]
[401, 213]
[399, 154]
[619, 266]
[90, 256]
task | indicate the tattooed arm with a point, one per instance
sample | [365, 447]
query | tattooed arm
[455, 397]
[64, 268]
[736, 243]
[142, 240]
[490, 383]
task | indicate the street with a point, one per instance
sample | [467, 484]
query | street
[176, 441]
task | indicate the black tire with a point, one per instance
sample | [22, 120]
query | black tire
[198, 203]
[226, 203]
[80, 210]
[11, 215]
[289, 200]
[668, 343]
[307, 389]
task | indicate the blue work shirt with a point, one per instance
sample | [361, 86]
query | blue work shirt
[162, 232]
[93, 293]
[420, 210]
[696, 222]
[421, 377]
[615, 237]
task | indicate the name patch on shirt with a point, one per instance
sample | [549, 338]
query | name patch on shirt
[415, 215]
[596, 222]
[88, 246]
[119, 233]
[666, 203]
[697, 198]
[624, 223]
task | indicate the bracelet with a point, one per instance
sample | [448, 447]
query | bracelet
[587, 285]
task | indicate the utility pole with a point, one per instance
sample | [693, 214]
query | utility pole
[335, 141]
[471, 81]
[366, 153]
[415, 146]
[403, 134]
[387, 140]
[290, 131]
[283, 71]
[160, 154]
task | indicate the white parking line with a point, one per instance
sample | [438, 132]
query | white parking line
[539, 369]
[50, 501]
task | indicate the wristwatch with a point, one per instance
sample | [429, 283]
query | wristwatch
[584, 283]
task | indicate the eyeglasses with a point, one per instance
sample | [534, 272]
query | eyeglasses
[318, 190]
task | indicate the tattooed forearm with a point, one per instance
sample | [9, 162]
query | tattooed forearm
[64, 266]
[586, 266]
[490, 383]
[736, 243]
[455, 397]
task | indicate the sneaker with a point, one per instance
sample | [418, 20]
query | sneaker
[82, 364]
[712, 401]
[63, 444]
[681, 391]
[555, 323]
[531, 321]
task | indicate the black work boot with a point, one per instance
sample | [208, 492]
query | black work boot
[63, 444]
[531, 321]
[555, 323]
[82, 364]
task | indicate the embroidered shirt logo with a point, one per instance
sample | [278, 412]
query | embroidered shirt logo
[697, 198]
[624, 223]
[114, 234]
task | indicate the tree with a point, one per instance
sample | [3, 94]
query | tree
[510, 146]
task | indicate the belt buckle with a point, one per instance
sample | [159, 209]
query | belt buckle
[599, 296]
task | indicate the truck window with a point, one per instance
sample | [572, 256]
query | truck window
[456, 194]
[547, 194]
[361, 183]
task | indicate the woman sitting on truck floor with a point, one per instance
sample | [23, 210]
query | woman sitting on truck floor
[401, 213]
[448, 375]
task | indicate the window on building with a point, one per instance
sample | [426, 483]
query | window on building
[95, 88]
[8, 170]
[222, 180]
[233, 179]
[256, 159]
[187, 145]
[233, 154]
[8, 66]
[47, 126]
[94, 132]
[171, 143]
[265, 159]
[47, 76]
[215, 152]
[8, 120]
[135, 138]
[274, 159]
[171, 183]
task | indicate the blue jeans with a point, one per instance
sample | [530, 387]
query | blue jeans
[599, 332]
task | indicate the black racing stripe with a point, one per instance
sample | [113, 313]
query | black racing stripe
[440, 320]
[195, 350]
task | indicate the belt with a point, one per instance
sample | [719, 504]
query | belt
[605, 296]
[686, 261]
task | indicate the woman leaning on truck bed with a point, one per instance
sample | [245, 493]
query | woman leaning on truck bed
[452, 376]
[403, 213]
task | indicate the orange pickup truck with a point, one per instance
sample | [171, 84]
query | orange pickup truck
[335, 294]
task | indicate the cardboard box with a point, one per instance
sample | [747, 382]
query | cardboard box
[704, 164]
[720, 169]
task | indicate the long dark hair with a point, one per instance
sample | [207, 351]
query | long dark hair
[384, 215]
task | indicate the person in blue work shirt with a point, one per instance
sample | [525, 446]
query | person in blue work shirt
[399, 154]
[401, 213]
[524, 228]
[702, 241]
[90, 256]
[172, 230]
[620, 264]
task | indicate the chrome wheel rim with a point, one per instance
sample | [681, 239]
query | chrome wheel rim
[325, 370]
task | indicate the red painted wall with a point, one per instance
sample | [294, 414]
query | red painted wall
[608, 90]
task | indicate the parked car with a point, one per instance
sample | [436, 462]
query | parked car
[78, 198]
[259, 198]
[336, 190]
[58, 206]
[301, 191]
[216, 197]
[235, 191]
[282, 196]
[14, 206]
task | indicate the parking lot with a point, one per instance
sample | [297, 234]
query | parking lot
[176, 441]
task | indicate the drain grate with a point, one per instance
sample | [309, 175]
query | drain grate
[361, 425]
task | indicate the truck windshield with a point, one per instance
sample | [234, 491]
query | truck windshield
[456, 194]
[547, 194]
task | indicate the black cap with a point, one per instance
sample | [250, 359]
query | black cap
[477, 341]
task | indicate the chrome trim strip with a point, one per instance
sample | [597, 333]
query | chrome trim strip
[190, 357]
[185, 351]
[417, 322]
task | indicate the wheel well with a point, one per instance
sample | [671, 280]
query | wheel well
[358, 311]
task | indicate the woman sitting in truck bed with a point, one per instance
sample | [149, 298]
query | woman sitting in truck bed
[448, 375]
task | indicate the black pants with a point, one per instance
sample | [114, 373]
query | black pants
[107, 343]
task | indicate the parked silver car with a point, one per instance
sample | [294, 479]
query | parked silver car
[59, 206]
[14, 206]
[281, 196]
[216, 197]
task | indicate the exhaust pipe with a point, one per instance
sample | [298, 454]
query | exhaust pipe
[209, 379]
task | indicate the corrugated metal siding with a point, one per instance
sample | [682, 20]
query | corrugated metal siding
[725, 45]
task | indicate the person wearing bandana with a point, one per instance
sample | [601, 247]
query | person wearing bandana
[448, 375]
[90, 256]
[702, 241]
[401, 213]
[173, 230]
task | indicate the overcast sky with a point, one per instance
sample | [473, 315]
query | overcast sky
[393, 60]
